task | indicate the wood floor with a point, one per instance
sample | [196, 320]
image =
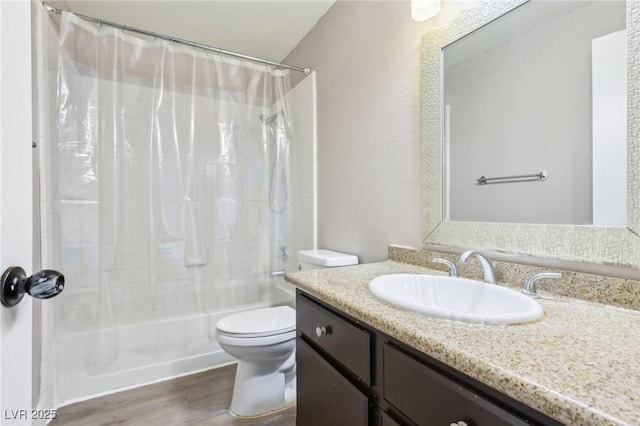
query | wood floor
[199, 399]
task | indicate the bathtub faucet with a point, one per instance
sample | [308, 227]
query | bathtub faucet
[274, 274]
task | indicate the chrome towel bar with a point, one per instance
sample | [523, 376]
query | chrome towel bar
[542, 175]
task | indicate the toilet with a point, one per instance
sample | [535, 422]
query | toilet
[263, 341]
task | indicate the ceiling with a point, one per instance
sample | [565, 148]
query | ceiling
[265, 29]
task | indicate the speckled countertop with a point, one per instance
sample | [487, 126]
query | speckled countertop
[580, 364]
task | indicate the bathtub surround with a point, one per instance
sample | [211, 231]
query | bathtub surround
[165, 199]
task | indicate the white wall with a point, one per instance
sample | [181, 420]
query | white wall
[367, 59]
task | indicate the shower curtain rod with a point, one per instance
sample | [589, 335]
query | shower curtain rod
[55, 11]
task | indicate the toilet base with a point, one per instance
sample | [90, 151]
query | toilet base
[262, 388]
[276, 411]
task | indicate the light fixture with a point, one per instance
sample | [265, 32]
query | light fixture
[421, 10]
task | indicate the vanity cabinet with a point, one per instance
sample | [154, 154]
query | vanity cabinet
[351, 374]
[333, 369]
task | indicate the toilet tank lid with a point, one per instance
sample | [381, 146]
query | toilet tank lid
[327, 258]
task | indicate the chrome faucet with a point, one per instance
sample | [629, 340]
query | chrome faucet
[453, 271]
[487, 267]
[529, 287]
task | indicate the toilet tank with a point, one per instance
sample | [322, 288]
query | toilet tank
[315, 259]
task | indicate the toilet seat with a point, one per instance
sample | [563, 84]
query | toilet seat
[239, 340]
[256, 323]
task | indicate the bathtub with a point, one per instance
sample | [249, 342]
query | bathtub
[100, 362]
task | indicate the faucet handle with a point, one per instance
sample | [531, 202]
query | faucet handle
[529, 286]
[453, 271]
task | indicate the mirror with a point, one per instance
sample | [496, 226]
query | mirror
[487, 111]
[522, 95]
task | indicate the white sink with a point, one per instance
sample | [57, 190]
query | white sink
[456, 298]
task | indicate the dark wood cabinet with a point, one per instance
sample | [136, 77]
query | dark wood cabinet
[325, 397]
[352, 374]
[428, 397]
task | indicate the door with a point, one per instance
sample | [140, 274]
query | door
[15, 207]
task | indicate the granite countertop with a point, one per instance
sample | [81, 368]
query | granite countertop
[579, 364]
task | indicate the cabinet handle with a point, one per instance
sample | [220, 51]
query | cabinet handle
[321, 331]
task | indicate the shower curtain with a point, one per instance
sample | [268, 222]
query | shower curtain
[168, 183]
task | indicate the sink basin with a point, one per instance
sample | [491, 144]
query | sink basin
[457, 299]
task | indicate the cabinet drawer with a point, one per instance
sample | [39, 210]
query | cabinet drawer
[324, 396]
[427, 397]
[342, 340]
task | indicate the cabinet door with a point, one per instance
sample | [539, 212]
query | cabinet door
[429, 398]
[324, 396]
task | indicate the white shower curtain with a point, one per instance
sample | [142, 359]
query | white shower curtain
[169, 179]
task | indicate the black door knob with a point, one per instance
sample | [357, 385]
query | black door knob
[41, 285]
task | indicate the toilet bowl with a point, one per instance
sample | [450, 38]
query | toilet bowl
[263, 341]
